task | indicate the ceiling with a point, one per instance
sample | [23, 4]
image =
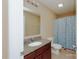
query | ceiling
[68, 5]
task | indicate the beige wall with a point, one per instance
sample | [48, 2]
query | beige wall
[32, 24]
[71, 13]
[4, 29]
[46, 19]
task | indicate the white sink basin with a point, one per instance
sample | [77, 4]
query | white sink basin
[33, 44]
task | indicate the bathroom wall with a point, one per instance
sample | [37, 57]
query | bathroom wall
[46, 23]
[32, 24]
[4, 29]
[46, 17]
[70, 13]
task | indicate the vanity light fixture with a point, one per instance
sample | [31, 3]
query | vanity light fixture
[33, 2]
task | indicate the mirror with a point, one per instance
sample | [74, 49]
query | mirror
[31, 24]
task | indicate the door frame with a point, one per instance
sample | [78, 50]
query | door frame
[16, 29]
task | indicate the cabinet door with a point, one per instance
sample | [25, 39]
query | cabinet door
[30, 56]
[38, 57]
[47, 54]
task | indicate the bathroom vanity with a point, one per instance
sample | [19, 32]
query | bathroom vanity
[42, 51]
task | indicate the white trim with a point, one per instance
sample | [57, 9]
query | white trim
[15, 16]
[27, 37]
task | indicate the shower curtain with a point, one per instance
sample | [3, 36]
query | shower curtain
[65, 31]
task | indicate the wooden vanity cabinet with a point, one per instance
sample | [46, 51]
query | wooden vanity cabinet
[42, 53]
[47, 54]
[30, 56]
[38, 57]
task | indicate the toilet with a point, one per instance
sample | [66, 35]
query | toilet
[55, 47]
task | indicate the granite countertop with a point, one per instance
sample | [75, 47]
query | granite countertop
[28, 49]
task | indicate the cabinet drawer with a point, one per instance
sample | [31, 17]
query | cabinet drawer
[43, 49]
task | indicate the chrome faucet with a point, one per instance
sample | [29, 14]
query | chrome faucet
[31, 40]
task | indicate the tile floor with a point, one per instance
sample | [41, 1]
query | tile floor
[64, 54]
